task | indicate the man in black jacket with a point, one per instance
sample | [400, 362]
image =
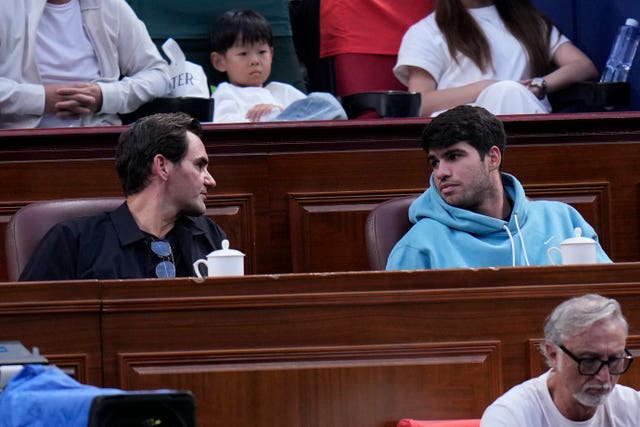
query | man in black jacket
[159, 231]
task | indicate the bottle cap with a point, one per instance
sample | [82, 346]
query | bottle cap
[632, 22]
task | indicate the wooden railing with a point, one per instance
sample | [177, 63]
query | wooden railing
[340, 349]
[294, 196]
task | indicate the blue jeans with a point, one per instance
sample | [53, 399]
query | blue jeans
[316, 106]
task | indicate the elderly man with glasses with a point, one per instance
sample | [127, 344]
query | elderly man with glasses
[585, 347]
[160, 230]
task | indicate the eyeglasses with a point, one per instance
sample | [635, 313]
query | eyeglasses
[165, 268]
[592, 365]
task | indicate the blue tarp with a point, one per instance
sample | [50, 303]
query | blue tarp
[45, 396]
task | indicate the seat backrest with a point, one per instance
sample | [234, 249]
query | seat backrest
[30, 223]
[385, 225]
[363, 38]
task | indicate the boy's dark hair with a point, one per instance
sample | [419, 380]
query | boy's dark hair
[164, 133]
[464, 123]
[243, 25]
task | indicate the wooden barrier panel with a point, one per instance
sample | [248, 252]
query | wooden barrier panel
[294, 196]
[62, 319]
[339, 349]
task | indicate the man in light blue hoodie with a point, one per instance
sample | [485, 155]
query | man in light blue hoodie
[473, 214]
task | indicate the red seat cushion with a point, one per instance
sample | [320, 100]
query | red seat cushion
[351, 77]
[406, 422]
[363, 37]
[367, 26]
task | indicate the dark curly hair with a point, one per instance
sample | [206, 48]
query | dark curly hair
[465, 123]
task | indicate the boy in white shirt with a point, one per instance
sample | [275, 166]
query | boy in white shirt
[242, 47]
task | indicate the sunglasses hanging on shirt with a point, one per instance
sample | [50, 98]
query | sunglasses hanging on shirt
[165, 268]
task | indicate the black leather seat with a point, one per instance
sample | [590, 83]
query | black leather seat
[390, 103]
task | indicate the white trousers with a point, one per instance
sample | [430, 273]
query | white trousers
[511, 97]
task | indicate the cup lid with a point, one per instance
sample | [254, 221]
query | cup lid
[578, 239]
[225, 251]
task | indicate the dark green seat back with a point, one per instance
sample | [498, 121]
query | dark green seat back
[189, 22]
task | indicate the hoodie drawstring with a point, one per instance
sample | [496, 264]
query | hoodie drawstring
[513, 246]
[513, 249]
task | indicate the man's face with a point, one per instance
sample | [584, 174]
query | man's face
[603, 340]
[245, 64]
[190, 179]
[461, 177]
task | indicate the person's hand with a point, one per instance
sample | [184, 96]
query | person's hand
[79, 99]
[537, 91]
[258, 111]
[52, 97]
[71, 101]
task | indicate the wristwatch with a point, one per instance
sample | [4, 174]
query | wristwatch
[541, 84]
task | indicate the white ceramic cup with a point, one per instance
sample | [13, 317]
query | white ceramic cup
[223, 262]
[575, 250]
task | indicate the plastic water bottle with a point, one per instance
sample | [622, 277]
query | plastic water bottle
[622, 53]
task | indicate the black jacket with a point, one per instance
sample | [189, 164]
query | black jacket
[111, 246]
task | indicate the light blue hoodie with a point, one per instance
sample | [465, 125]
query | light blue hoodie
[444, 236]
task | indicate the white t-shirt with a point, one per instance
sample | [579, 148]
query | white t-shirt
[64, 51]
[530, 405]
[424, 46]
[231, 102]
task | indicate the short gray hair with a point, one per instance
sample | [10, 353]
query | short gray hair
[577, 314]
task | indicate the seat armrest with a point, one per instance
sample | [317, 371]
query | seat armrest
[391, 103]
[198, 108]
[592, 96]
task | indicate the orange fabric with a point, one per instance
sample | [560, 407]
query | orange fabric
[440, 423]
[367, 26]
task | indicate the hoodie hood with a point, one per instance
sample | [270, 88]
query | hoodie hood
[431, 205]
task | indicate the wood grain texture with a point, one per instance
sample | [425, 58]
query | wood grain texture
[315, 349]
[294, 196]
